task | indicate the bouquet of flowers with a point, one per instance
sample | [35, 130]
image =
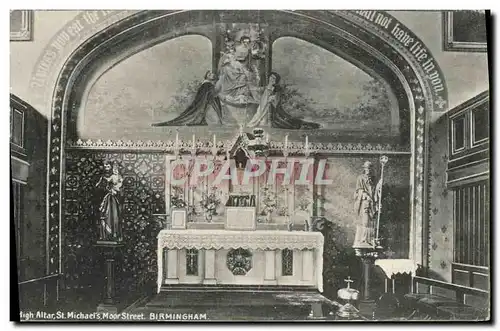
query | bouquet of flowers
[269, 202]
[209, 203]
[304, 202]
[176, 199]
[177, 202]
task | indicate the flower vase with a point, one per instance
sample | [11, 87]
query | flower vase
[268, 217]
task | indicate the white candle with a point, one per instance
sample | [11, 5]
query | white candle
[177, 138]
[267, 137]
[194, 141]
[286, 141]
[307, 142]
[215, 141]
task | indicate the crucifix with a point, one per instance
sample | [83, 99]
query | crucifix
[348, 281]
[348, 311]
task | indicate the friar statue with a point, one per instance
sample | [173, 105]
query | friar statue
[110, 210]
[366, 206]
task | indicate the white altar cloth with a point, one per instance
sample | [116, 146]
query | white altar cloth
[224, 239]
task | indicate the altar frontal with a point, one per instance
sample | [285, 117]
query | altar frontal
[226, 257]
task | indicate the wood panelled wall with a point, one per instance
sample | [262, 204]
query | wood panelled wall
[472, 224]
[468, 176]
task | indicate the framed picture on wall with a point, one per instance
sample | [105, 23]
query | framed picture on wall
[21, 25]
[465, 31]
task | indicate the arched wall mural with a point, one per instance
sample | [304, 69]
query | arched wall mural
[370, 40]
[317, 84]
[143, 89]
[322, 85]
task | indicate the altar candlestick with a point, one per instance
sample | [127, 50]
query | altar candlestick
[286, 205]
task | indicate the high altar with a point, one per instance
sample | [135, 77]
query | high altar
[254, 233]
[228, 257]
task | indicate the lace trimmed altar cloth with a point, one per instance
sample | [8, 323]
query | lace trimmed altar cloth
[261, 240]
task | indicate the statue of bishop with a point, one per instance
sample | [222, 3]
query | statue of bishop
[367, 198]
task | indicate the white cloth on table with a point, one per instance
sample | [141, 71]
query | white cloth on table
[259, 239]
[393, 267]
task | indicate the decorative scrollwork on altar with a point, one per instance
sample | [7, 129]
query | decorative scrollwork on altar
[239, 261]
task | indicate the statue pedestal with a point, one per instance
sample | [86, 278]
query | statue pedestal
[110, 250]
[368, 254]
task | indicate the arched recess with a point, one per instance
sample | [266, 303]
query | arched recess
[344, 31]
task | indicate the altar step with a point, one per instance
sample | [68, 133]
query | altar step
[232, 288]
[236, 304]
[234, 298]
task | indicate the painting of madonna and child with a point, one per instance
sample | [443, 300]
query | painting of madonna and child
[309, 90]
